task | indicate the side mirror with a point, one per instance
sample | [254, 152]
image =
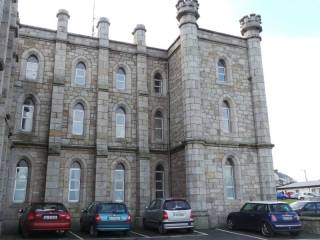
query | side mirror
[21, 211]
[84, 210]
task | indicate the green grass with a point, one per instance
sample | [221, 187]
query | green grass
[289, 201]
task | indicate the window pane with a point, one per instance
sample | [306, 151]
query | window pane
[78, 115]
[119, 185]
[159, 176]
[230, 193]
[19, 196]
[77, 128]
[119, 196]
[158, 123]
[120, 119]
[159, 185]
[21, 184]
[32, 70]
[80, 76]
[120, 79]
[159, 194]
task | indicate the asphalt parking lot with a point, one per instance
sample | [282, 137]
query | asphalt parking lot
[216, 234]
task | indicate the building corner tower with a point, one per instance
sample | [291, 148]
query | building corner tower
[251, 29]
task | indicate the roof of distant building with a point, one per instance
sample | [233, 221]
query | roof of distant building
[301, 185]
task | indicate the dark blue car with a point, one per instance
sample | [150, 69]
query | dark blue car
[105, 217]
[266, 217]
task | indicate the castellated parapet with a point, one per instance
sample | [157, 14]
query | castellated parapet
[251, 26]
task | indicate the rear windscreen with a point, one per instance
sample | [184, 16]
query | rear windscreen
[280, 208]
[39, 207]
[297, 205]
[111, 208]
[176, 205]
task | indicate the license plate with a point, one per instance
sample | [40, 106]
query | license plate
[113, 218]
[287, 218]
[178, 214]
[50, 217]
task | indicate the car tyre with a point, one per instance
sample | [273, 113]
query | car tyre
[82, 228]
[190, 230]
[266, 230]
[25, 233]
[294, 233]
[61, 233]
[93, 231]
[230, 224]
[161, 229]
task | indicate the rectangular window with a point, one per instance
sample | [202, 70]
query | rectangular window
[158, 129]
[20, 185]
[121, 82]
[31, 70]
[119, 186]
[78, 117]
[225, 121]
[120, 125]
[74, 185]
[159, 184]
[229, 182]
[158, 86]
[80, 76]
[27, 118]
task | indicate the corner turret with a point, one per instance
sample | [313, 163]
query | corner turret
[251, 26]
[187, 8]
[103, 31]
[62, 28]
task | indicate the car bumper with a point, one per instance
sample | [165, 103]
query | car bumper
[105, 227]
[287, 227]
[178, 225]
[50, 226]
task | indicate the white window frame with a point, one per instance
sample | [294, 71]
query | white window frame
[120, 127]
[158, 128]
[28, 119]
[80, 74]
[160, 86]
[160, 181]
[222, 76]
[24, 189]
[226, 121]
[32, 68]
[78, 122]
[229, 168]
[77, 181]
[121, 79]
[121, 181]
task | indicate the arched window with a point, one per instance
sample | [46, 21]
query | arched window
[120, 123]
[32, 68]
[27, 115]
[226, 117]
[158, 126]
[158, 84]
[118, 193]
[80, 76]
[121, 79]
[222, 70]
[159, 181]
[229, 185]
[21, 182]
[74, 182]
[78, 119]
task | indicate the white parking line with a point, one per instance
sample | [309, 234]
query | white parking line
[77, 236]
[240, 234]
[141, 235]
[201, 233]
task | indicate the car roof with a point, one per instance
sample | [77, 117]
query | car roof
[266, 202]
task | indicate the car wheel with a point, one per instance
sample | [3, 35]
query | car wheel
[61, 233]
[93, 231]
[294, 233]
[144, 224]
[230, 224]
[25, 233]
[19, 229]
[190, 230]
[82, 228]
[161, 229]
[266, 230]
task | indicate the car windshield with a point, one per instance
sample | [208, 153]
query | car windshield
[112, 208]
[47, 207]
[297, 205]
[280, 208]
[176, 205]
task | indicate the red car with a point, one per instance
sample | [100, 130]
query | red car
[44, 217]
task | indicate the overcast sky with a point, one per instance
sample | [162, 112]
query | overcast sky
[290, 48]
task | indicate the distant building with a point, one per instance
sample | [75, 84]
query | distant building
[301, 187]
[282, 179]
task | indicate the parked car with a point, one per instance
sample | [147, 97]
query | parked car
[166, 214]
[307, 208]
[266, 217]
[281, 196]
[306, 196]
[44, 217]
[105, 217]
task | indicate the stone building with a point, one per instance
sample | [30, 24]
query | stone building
[94, 119]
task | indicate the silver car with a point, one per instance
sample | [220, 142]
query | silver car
[166, 214]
